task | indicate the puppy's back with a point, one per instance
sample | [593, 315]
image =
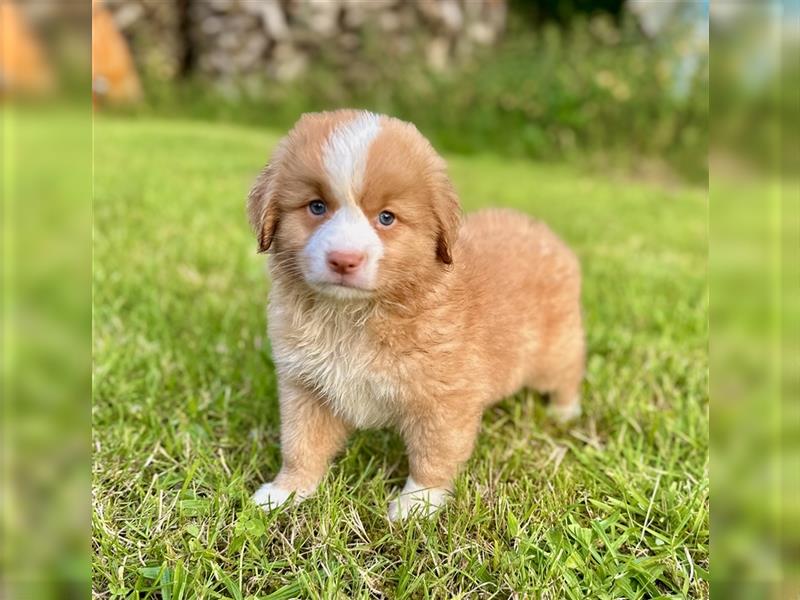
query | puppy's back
[522, 290]
[503, 247]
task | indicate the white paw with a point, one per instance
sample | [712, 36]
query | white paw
[269, 496]
[564, 413]
[414, 498]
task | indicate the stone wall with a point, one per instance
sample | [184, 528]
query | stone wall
[227, 39]
[155, 32]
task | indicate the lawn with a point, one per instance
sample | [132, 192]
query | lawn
[186, 421]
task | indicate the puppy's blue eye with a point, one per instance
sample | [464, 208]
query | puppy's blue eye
[317, 207]
[386, 218]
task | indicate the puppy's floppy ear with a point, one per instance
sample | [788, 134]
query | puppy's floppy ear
[262, 209]
[448, 216]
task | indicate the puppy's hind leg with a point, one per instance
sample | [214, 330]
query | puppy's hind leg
[562, 388]
[565, 403]
[567, 365]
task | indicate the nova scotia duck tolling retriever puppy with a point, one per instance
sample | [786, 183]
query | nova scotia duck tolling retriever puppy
[387, 309]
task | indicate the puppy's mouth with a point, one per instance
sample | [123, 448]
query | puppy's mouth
[342, 289]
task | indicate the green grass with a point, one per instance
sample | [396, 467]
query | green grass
[186, 422]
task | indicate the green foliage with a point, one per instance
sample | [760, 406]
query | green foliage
[593, 91]
[185, 415]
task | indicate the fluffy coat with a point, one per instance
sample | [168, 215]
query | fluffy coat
[458, 314]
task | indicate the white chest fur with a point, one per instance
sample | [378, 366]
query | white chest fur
[329, 349]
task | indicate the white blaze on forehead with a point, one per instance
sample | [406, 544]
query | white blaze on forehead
[345, 155]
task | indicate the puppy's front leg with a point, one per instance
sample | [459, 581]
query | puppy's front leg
[436, 450]
[311, 435]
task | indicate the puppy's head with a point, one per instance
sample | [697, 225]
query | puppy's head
[355, 205]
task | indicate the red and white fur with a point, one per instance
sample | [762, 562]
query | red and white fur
[387, 309]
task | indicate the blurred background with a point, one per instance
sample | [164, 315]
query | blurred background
[616, 83]
[609, 84]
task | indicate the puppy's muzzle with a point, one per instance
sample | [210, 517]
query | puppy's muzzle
[345, 262]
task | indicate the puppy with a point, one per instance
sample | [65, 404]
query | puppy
[387, 311]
